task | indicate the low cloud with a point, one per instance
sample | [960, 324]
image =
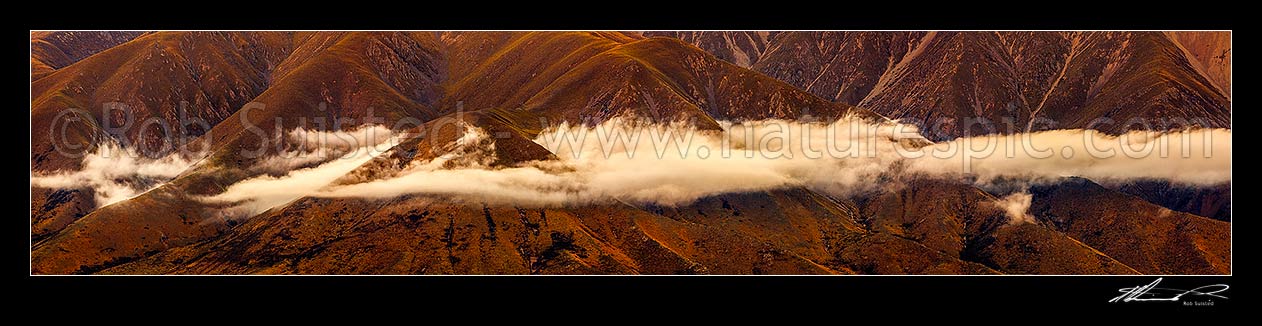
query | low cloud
[1189, 157]
[634, 162]
[1017, 207]
[338, 152]
[308, 160]
[115, 174]
[308, 148]
[623, 160]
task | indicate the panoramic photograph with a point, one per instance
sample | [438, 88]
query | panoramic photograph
[632, 153]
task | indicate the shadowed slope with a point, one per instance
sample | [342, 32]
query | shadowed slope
[55, 50]
[964, 222]
[1144, 236]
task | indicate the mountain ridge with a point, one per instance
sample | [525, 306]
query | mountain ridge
[515, 84]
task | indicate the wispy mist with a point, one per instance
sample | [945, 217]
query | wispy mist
[307, 148]
[339, 152]
[115, 174]
[1017, 207]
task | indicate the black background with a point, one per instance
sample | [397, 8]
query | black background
[858, 294]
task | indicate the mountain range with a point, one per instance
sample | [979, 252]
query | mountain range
[516, 84]
[1071, 79]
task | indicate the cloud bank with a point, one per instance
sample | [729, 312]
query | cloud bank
[633, 162]
[1190, 157]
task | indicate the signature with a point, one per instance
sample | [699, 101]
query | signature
[1151, 292]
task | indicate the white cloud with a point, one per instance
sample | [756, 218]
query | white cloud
[1191, 157]
[115, 174]
[1017, 206]
[627, 161]
[354, 148]
[307, 148]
